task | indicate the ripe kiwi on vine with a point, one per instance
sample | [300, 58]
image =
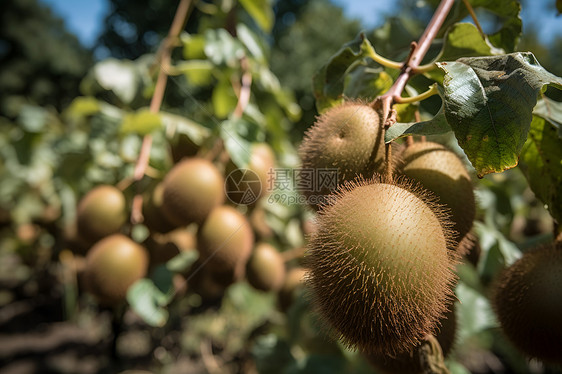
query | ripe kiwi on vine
[112, 265]
[442, 172]
[192, 188]
[265, 270]
[527, 298]
[347, 137]
[154, 217]
[225, 240]
[381, 268]
[101, 212]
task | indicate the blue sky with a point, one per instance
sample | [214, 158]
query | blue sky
[85, 17]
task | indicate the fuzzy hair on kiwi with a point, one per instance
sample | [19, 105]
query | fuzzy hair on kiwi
[381, 298]
[527, 298]
[347, 137]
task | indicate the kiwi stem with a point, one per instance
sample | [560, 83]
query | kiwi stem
[163, 59]
[408, 100]
[414, 59]
[383, 61]
[431, 357]
[473, 15]
[388, 160]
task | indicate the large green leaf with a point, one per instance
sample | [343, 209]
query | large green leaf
[222, 49]
[147, 300]
[261, 11]
[238, 136]
[224, 99]
[488, 103]
[464, 40]
[541, 162]
[328, 82]
[142, 122]
[197, 72]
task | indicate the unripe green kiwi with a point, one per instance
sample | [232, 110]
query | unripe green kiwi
[112, 265]
[527, 298]
[381, 269]
[347, 137]
[225, 241]
[441, 171]
[154, 217]
[192, 189]
[408, 362]
[266, 269]
[293, 280]
[241, 187]
[101, 212]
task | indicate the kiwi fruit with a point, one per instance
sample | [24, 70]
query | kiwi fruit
[112, 265]
[347, 137]
[381, 265]
[101, 212]
[265, 270]
[225, 241]
[294, 279]
[154, 218]
[408, 362]
[442, 172]
[243, 187]
[192, 188]
[527, 298]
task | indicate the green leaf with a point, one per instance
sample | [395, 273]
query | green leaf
[488, 102]
[224, 99]
[84, 106]
[261, 11]
[182, 261]
[238, 136]
[251, 41]
[142, 122]
[328, 82]
[174, 123]
[474, 312]
[222, 49]
[541, 162]
[197, 72]
[147, 301]
[464, 40]
[551, 111]
[366, 82]
[193, 46]
[33, 118]
[119, 76]
[436, 125]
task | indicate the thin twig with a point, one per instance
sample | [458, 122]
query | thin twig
[473, 15]
[164, 57]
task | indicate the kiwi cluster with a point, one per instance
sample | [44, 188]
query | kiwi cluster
[384, 249]
[527, 298]
[189, 208]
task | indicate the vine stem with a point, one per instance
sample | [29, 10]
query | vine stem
[164, 57]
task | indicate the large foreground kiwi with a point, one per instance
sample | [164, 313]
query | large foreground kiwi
[527, 299]
[191, 190]
[348, 138]
[266, 269]
[248, 185]
[101, 212]
[441, 171]
[225, 241]
[381, 269]
[112, 265]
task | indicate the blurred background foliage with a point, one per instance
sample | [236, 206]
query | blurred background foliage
[69, 121]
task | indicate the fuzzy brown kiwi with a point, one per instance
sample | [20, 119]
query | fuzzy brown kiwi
[265, 270]
[112, 265]
[408, 362]
[225, 241]
[241, 187]
[381, 265]
[192, 188]
[527, 298]
[101, 212]
[347, 137]
[442, 172]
